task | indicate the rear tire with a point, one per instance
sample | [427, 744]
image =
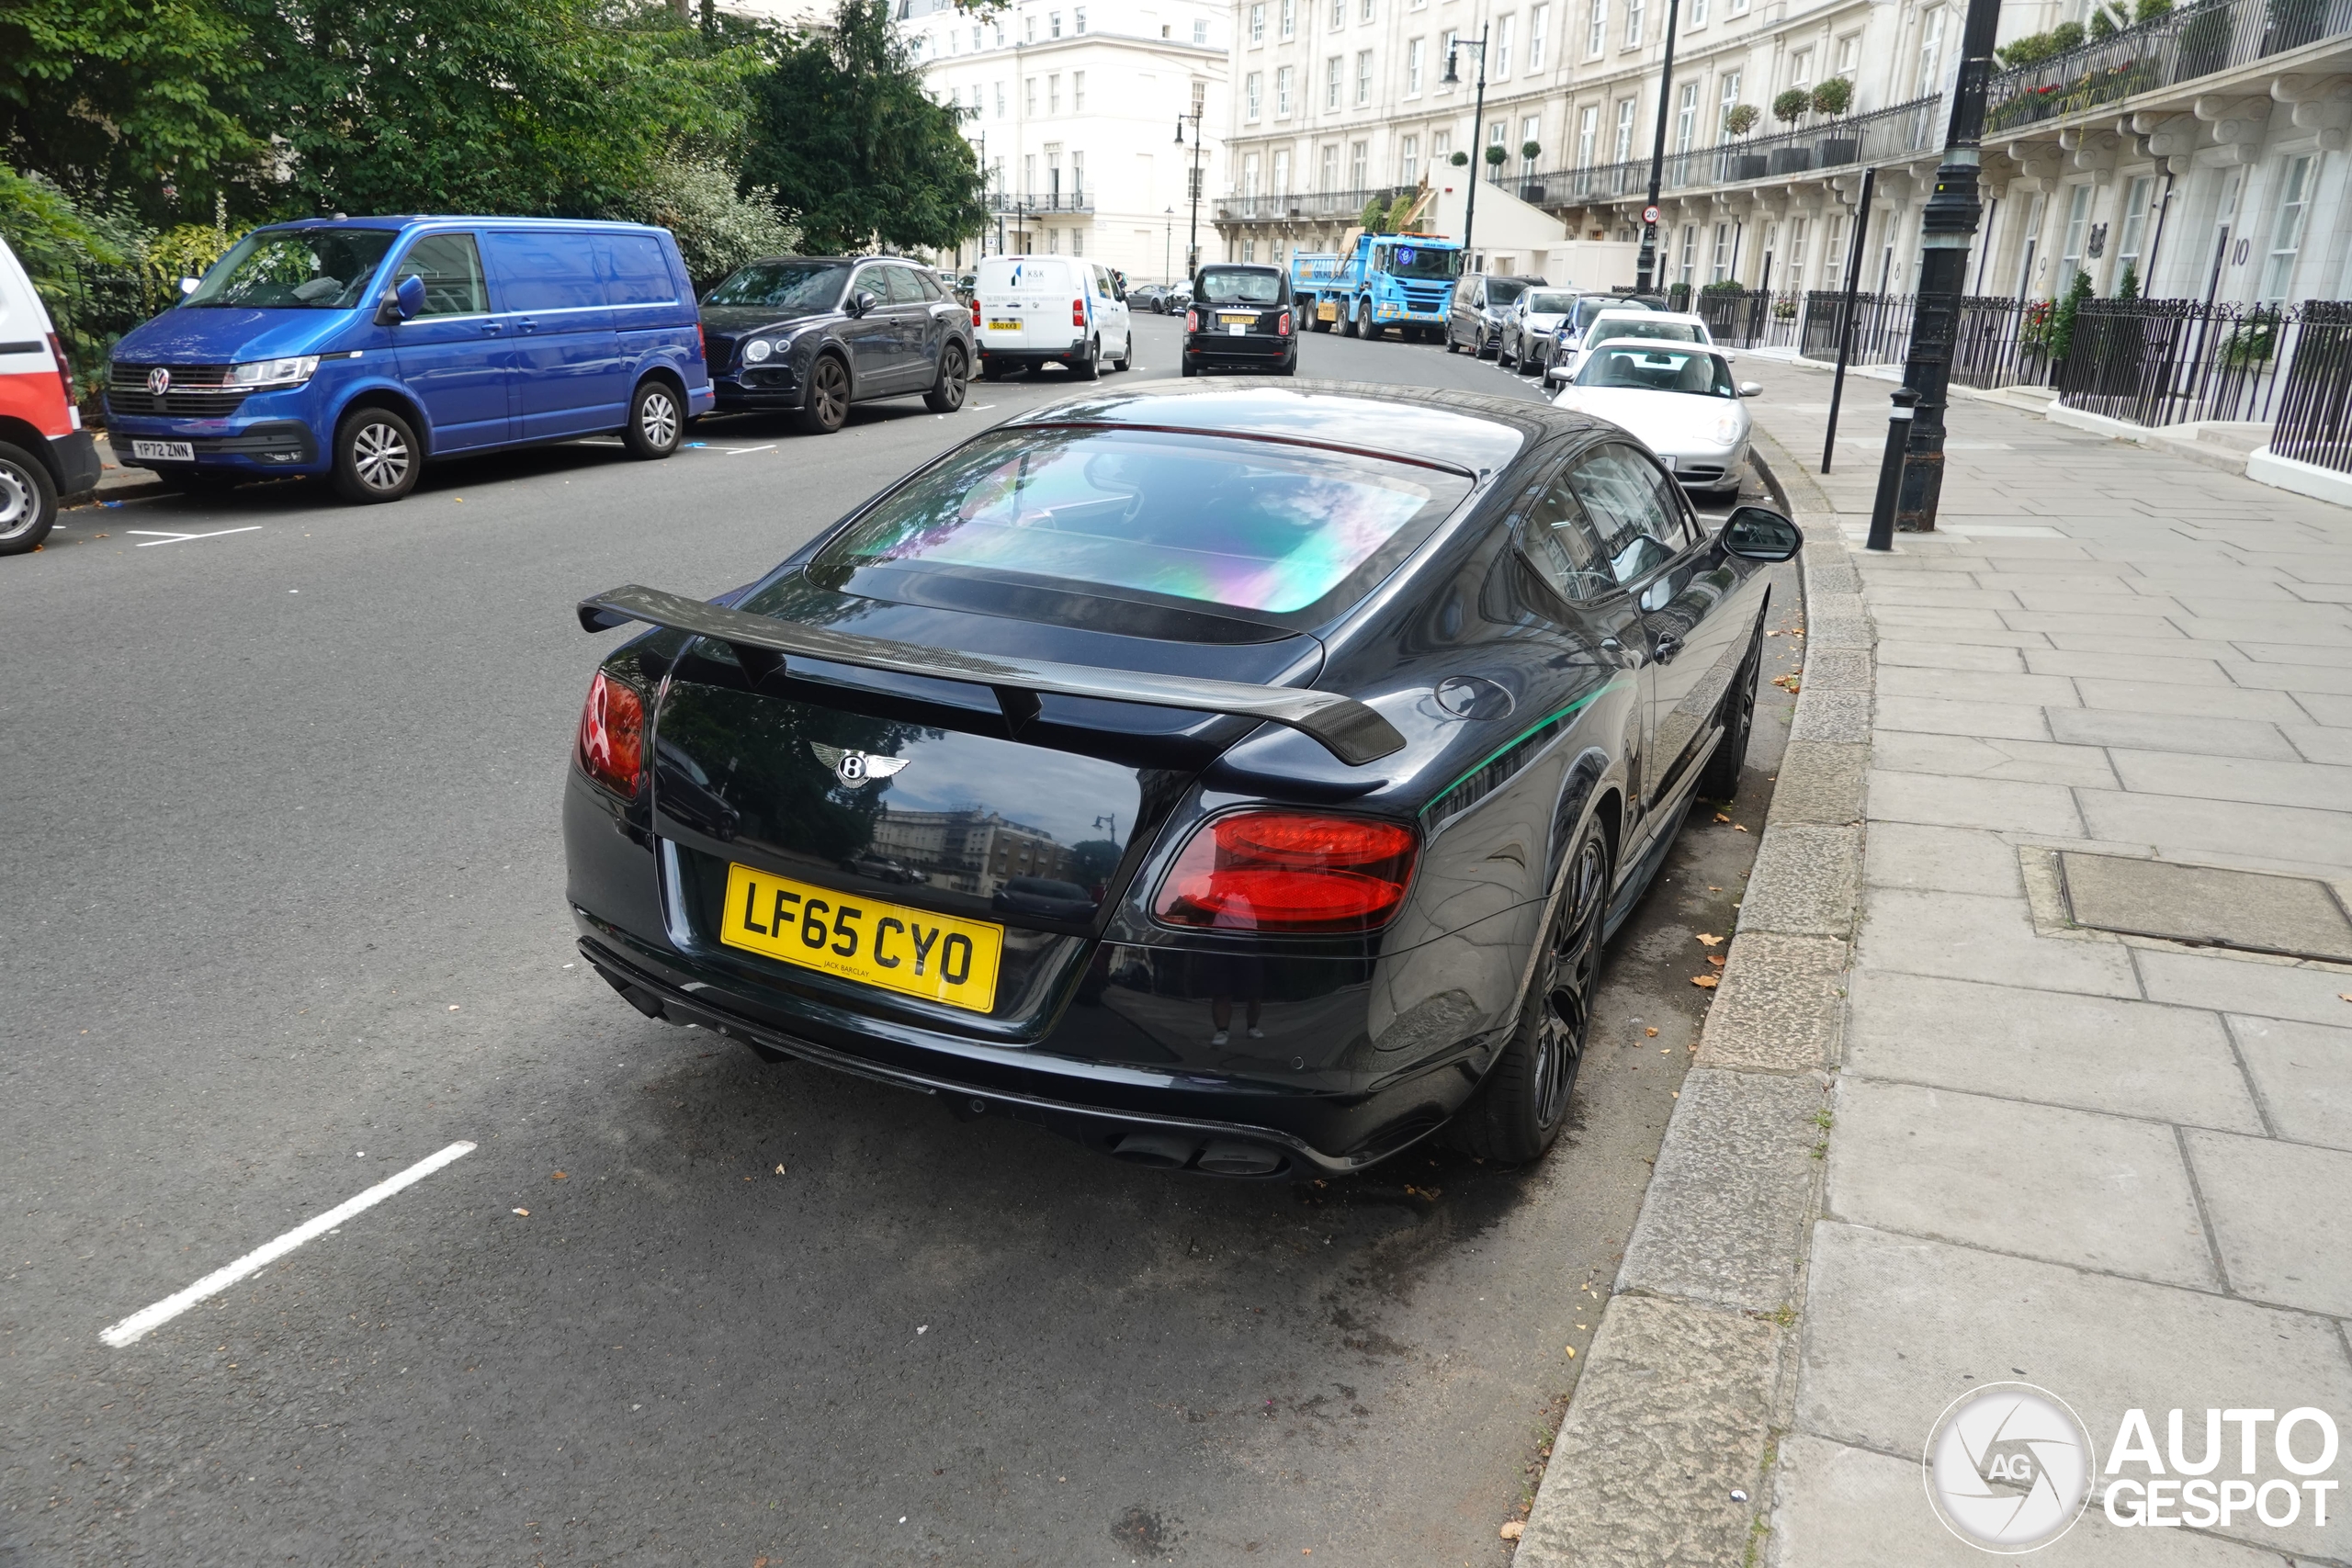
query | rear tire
[946, 394]
[1721, 781]
[1503, 360]
[1518, 1110]
[1450, 346]
[827, 404]
[1127, 360]
[1088, 366]
[27, 500]
[657, 424]
[376, 457]
[1347, 322]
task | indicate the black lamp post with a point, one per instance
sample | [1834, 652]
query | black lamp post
[1478, 128]
[1646, 266]
[1192, 235]
[1949, 227]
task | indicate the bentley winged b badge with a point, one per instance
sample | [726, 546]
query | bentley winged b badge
[853, 768]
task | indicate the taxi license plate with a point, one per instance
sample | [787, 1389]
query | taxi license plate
[998, 324]
[1237, 329]
[164, 451]
[937, 957]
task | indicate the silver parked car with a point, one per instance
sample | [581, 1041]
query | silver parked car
[1532, 318]
[1678, 398]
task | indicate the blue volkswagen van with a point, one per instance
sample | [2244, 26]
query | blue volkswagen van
[361, 347]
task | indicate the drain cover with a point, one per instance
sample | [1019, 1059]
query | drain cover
[2249, 910]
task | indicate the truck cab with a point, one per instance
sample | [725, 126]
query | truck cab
[1388, 281]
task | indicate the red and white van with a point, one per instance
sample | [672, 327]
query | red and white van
[44, 452]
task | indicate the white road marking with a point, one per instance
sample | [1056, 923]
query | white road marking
[159, 537]
[738, 451]
[138, 1324]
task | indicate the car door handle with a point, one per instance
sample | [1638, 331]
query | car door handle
[492, 329]
[526, 325]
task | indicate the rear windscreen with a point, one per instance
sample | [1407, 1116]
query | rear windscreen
[1223, 286]
[1278, 533]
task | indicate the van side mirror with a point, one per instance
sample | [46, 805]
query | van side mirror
[401, 302]
[862, 301]
[1755, 533]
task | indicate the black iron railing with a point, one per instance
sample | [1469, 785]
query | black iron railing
[2314, 406]
[2189, 42]
[2177, 361]
[1052, 201]
[1830, 144]
[1882, 326]
[1305, 207]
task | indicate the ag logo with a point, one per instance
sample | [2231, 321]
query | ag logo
[853, 768]
[2008, 1467]
[159, 380]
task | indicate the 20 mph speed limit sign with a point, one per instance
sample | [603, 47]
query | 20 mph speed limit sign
[1649, 214]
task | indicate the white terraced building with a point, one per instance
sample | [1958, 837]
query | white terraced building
[1073, 109]
[2205, 150]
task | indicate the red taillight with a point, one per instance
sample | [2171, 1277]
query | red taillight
[1192, 321]
[1288, 871]
[702, 345]
[1282, 327]
[1077, 312]
[64, 368]
[975, 313]
[612, 734]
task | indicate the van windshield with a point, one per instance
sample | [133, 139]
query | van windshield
[300, 269]
[782, 285]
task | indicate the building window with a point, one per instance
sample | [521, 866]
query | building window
[1735, 7]
[2032, 243]
[1529, 136]
[1078, 178]
[1727, 100]
[1539, 23]
[1689, 252]
[2134, 228]
[1833, 260]
[1330, 176]
[1364, 12]
[1201, 34]
[1850, 53]
[1502, 45]
[1249, 250]
[1698, 14]
[1359, 165]
[1726, 253]
[1634, 24]
[1282, 80]
[1801, 69]
[1077, 92]
[1253, 93]
[1290, 18]
[1440, 149]
[1078, 236]
[1000, 100]
[1078, 24]
[1282, 174]
[1446, 48]
[2070, 254]
[1258, 23]
[1408, 161]
[1931, 47]
[1200, 93]
[1588, 134]
[1597, 36]
[1052, 24]
[976, 40]
[1028, 176]
[1796, 255]
[1363, 78]
[1624, 130]
[1686, 118]
[1413, 69]
[1331, 69]
[1054, 93]
[1249, 174]
[1029, 96]
[2286, 229]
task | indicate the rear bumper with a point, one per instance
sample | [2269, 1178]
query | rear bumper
[1255, 349]
[73, 458]
[1030, 355]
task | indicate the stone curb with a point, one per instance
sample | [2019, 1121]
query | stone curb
[1664, 1458]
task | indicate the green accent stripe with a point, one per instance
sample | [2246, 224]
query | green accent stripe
[1520, 740]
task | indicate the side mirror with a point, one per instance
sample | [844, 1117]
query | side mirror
[1755, 533]
[862, 301]
[1751, 389]
[409, 297]
[187, 287]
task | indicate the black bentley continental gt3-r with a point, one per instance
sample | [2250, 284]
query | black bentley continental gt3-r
[1240, 779]
[809, 336]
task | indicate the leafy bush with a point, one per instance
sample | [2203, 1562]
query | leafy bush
[1495, 155]
[2062, 322]
[2127, 285]
[1460, 159]
[2151, 10]
[1740, 118]
[1724, 285]
[1792, 104]
[1531, 151]
[1375, 218]
[717, 229]
[1833, 97]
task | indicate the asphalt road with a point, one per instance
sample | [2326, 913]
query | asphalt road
[283, 914]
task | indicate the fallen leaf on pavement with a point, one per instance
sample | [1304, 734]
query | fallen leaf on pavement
[558, 1176]
[1721, 817]
[1704, 982]
[1716, 959]
[1514, 1531]
[1739, 826]
[1709, 938]
[524, 1213]
[1653, 1033]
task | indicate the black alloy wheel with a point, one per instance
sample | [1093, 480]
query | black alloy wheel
[657, 425]
[27, 500]
[376, 457]
[827, 401]
[1520, 1108]
[946, 394]
[1721, 781]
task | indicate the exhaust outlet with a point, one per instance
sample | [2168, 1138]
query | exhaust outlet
[1163, 1151]
[1227, 1159]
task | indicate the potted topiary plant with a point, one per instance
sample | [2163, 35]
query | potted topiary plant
[1460, 159]
[1531, 151]
[1496, 155]
[1788, 108]
[1741, 164]
[1833, 98]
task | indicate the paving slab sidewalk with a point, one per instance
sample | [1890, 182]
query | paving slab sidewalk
[2116, 1167]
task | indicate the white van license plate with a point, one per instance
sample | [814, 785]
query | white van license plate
[1004, 325]
[164, 451]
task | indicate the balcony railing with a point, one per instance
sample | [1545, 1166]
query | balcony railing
[1305, 207]
[1027, 206]
[2189, 43]
[1870, 137]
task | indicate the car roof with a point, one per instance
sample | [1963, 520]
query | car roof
[1471, 430]
[1661, 346]
[404, 221]
[1238, 266]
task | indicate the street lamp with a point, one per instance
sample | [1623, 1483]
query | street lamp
[1478, 128]
[1646, 267]
[1168, 244]
[1192, 235]
[1948, 225]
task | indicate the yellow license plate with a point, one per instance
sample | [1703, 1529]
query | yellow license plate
[1247, 321]
[937, 957]
[1000, 326]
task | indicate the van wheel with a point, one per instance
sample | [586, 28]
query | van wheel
[655, 424]
[946, 394]
[27, 500]
[1126, 354]
[376, 457]
[1450, 346]
[827, 404]
[1086, 365]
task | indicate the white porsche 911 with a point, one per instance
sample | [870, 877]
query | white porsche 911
[1678, 398]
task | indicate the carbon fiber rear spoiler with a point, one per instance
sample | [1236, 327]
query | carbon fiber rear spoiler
[1341, 726]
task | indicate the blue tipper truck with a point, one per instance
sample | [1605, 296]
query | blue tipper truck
[1390, 280]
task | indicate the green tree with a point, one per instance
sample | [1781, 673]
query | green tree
[536, 107]
[2061, 325]
[718, 229]
[1791, 104]
[1374, 220]
[853, 146]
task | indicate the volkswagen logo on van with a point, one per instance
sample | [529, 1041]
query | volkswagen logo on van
[159, 380]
